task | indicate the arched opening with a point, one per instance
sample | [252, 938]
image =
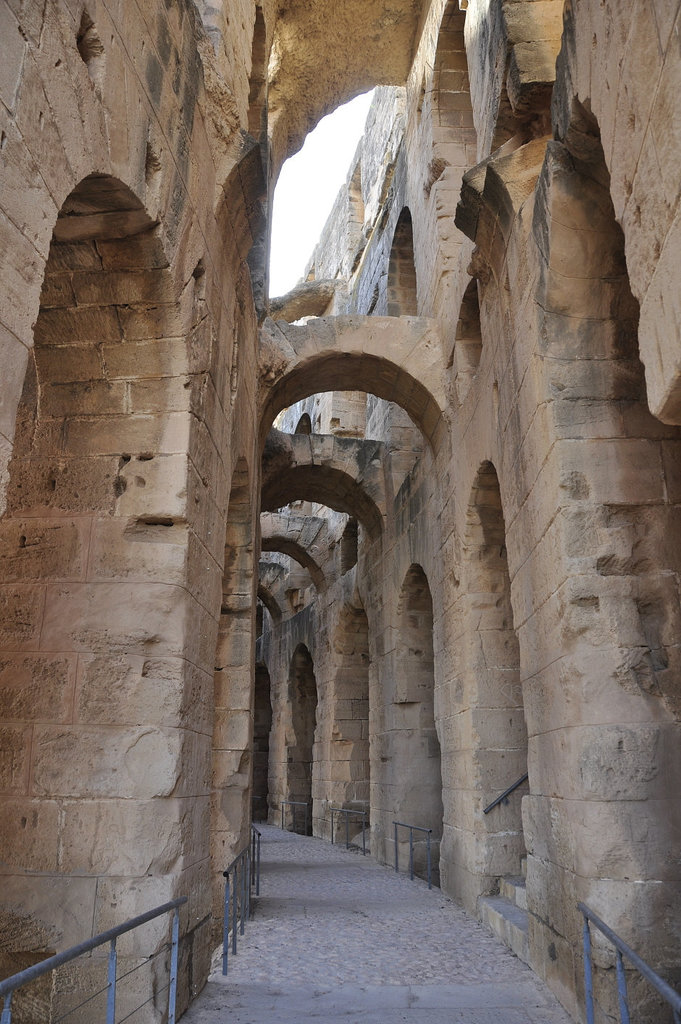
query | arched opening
[323, 485]
[402, 293]
[454, 145]
[287, 546]
[348, 546]
[454, 136]
[468, 340]
[348, 769]
[493, 686]
[262, 726]
[302, 699]
[94, 598]
[415, 762]
[234, 680]
[257, 96]
[355, 236]
[270, 603]
[339, 370]
[304, 425]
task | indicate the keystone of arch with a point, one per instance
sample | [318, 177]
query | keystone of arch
[399, 359]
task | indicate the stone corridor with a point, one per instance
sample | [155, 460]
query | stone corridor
[370, 946]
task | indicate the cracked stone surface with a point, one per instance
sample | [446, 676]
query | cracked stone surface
[337, 937]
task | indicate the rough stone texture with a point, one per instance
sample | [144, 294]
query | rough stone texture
[373, 946]
[470, 544]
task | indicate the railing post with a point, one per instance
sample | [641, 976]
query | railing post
[111, 985]
[235, 907]
[411, 853]
[225, 925]
[622, 990]
[7, 1009]
[428, 856]
[332, 813]
[306, 819]
[396, 855]
[257, 873]
[247, 886]
[588, 978]
[282, 816]
[242, 879]
[172, 990]
[364, 842]
[347, 831]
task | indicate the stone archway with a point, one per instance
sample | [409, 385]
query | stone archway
[300, 754]
[94, 599]
[415, 762]
[493, 697]
[262, 726]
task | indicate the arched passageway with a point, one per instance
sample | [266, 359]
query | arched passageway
[402, 292]
[348, 769]
[262, 725]
[493, 701]
[94, 600]
[415, 764]
[302, 697]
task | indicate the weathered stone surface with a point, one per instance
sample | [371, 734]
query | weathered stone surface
[472, 508]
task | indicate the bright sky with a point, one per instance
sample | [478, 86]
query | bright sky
[307, 188]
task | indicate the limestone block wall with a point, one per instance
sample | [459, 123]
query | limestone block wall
[543, 519]
[126, 342]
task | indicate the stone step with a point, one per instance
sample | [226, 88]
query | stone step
[508, 922]
[513, 888]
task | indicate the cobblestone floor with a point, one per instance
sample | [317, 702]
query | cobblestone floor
[337, 937]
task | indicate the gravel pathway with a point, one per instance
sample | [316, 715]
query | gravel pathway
[337, 937]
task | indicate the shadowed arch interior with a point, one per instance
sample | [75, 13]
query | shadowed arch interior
[402, 290]
[302, 696]
[270, 602]
[87, 514]
[325, 486]
[416, 748]
[298, 553]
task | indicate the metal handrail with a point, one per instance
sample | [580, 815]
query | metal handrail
[670, 995]
[9, 986]
[294, 804]
[256, 836]
[245, 869]
[505, 795]
[412, 829]
[348, 813]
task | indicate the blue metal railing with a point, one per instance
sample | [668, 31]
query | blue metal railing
[245, 872]
[348, 814]
[670, 995]
[294, 804]
[412, 829]
[10, 985]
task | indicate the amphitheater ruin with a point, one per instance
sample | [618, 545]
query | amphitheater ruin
[386, 543]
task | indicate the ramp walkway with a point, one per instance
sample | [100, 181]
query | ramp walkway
[339, 939]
